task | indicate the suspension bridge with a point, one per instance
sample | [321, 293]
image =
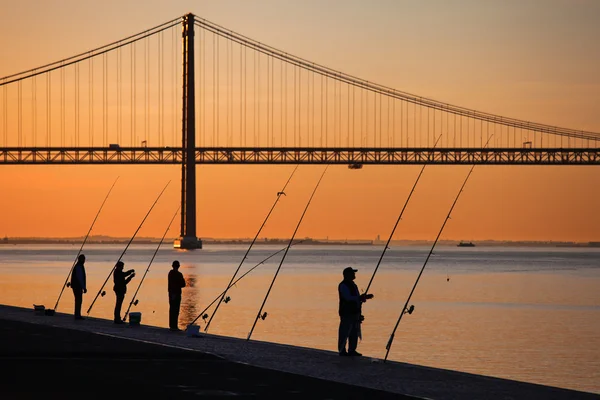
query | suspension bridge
[189, 91]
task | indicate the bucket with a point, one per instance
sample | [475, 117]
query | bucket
[192, 331]
[135, 318]
[39, 310]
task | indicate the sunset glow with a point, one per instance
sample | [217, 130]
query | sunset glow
[535, 61]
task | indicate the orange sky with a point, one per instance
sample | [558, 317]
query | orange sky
[536, 61]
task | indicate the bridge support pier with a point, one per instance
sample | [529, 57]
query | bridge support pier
[188, 239]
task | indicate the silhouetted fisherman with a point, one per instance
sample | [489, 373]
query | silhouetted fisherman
[350, 313]
[121, 279]
[176, 282]
[78, 285]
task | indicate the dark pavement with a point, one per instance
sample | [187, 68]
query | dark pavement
[51, 362]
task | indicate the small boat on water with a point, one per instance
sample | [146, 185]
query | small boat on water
[465, 244]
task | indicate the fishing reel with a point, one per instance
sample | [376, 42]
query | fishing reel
[103, 293]
[68, 284]
[204, 317]
[226, 299]
[361, 318]
[135, 303]
[263, 316]
[409, 310]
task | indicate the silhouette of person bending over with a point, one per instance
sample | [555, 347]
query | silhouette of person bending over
[78, 285]
[121, 279]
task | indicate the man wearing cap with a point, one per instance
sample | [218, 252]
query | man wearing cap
[350, 313]
[176, 282]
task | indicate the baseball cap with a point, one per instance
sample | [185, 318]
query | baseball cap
[348, 270]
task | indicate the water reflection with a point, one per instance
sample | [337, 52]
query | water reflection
[189, 301]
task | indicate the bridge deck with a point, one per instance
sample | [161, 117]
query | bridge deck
[302, 155]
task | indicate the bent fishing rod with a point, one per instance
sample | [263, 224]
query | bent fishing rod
[282, 192]
[83, 244]
[226, 300]
[134, 301]
[397, 221]
[126, 247]
[405, 309]
[263, 316]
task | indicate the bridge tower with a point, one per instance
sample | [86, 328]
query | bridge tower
[188, 238]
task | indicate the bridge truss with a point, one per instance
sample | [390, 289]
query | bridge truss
[353, 157]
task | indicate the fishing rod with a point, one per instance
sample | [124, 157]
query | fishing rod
[133, 299]
[410, 309]
[226, 300]
[282, 192]
[66, 284]
[126, 247]
[263, 316]
[397, 221]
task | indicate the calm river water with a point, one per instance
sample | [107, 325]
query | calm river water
[530, 314]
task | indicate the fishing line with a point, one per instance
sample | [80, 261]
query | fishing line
[397, 221]
[410, 310]
[263, 316]
[66, 284]
[133, 299]
[282, 192]
[226, 300]
[126, 247]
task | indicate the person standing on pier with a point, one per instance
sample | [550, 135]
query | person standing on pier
[350, 313]
[78, 285]
[176, 282]
[121, 279]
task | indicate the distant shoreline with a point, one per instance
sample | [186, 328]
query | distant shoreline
[305, 241]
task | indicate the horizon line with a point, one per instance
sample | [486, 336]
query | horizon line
[335, 240]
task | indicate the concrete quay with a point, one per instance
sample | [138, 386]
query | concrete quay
[94, 358]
